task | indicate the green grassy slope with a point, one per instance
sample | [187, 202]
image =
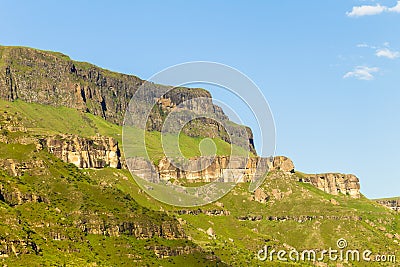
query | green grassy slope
[111, 196]
[47, 120]
[362, 222]
[43, 120]
[67, 196]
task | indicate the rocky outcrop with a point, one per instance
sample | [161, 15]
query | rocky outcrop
[18, 247]
[300, 219]
[164, 251]
[260, 196]
[393, 204]
[223, 168]
[335, 183]
[18, 168]
[212, 212]
[304, 218]
[13, 196]
[95, 152]
[52, 78]
[210, 232]
[282, 163]
[94, 224]
[250, 218]
[229, 169]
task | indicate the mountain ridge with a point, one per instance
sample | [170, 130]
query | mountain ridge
[54, 213]
[52, 78]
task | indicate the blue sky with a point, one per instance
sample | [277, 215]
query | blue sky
[330, 69]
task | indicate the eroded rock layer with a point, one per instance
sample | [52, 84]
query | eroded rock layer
[229, 169]
[100, 151]
[335, 183]
[96, 152]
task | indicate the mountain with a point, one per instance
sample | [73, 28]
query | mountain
[51, 78]
[67, 199]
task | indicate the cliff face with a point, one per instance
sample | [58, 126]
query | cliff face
[13, 196]
[228, 169]
[335, 183]
[393, 204]
[18, 168]
[100, 151]
[97, 152]
[222, 168]
[54, 79]
[94, 224]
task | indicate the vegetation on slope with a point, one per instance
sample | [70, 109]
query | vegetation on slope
[283, 224]
[51, 218]
[51, 78]
[47, 211]
[43, 120]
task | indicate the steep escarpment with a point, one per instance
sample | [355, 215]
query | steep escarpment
[54, 79]
[100, 151]
[96, 152]
[223, 168]
[335, 183]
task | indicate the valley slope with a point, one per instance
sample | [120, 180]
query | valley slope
[54, 213]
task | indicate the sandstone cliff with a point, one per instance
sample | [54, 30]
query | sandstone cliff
[96, 152]
[221, 168]
[335, 183]
[94, 224]
[100, 151]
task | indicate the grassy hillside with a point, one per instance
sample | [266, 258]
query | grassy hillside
[362, 222]
[48, 231]
[44, 120]
[47, 120]
[51, 78]
[55, 214]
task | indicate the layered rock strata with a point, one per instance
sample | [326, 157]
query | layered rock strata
[393, 204]
[203, 169]
[335, 183]
[95, 152]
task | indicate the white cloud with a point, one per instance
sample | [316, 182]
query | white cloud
[362, 45]
[359, 11]
[385, 52]
[396, 8]
[362, 73]
[368, 10]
